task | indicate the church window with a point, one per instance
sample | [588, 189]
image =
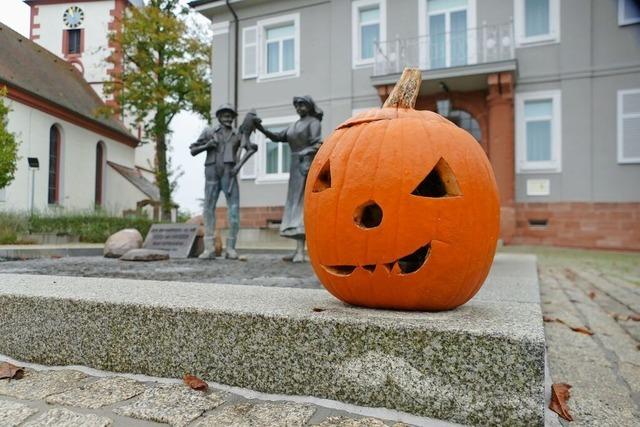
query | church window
[73, 41]
[54, 166]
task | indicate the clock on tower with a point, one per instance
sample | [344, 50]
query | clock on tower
[73, 17]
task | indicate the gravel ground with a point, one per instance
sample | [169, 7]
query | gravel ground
[257, 270]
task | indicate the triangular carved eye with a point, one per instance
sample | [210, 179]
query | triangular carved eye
[440, 182]
[323, 181]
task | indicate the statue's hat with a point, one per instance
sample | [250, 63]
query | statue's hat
[226, 107]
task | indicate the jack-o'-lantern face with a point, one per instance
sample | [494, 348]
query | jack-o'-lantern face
[401, 211]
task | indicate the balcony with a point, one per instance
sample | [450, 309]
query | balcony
[473, 52]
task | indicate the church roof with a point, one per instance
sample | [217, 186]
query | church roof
[45, 80]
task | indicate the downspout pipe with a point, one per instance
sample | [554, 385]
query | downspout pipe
[236, 54]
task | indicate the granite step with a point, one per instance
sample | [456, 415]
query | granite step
[481, 364]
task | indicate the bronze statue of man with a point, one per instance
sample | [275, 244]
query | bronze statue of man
[223, 144]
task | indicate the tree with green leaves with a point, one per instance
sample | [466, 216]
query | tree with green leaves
[165, 70]
[8, 145]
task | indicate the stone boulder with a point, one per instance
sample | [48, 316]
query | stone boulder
[145, 255]
[122, 242]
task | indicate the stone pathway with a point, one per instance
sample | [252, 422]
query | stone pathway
[70, 398]
[599, 291]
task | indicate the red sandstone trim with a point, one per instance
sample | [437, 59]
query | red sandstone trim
[614, 226]
[48, 107]
[32, 22]
[115, 71]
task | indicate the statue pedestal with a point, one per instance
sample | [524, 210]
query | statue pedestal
[480, 364]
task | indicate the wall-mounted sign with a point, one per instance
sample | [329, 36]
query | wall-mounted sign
[538, 187]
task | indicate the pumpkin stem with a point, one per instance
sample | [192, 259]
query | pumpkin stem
[405, 92]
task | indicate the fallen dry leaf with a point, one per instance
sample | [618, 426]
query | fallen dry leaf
[559, 396]
[634, 317]
[582, 330]
[13, 372]
[195, 382]
[592, 295]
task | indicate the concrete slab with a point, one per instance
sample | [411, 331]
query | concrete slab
[482, 363]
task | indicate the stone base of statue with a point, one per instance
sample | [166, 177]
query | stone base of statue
[481, 364]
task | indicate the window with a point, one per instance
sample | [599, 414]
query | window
[628, 12]
[537, 21]
[447, 33]
[629, 126]
[249, 53]
[275, 157]
[466, 121]
[99, 173]
[74, 41]
[53, 196]
[368, 28]
[279, 47]
[538, 132]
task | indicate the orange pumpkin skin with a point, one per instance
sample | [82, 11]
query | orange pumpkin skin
[382, 156]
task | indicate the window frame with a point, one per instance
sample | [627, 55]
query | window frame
[266, 24]
[356, 55]
[519, 25]
[622, 21]
[423, 33]
[262, 177]
[555, 164]
[620, 116]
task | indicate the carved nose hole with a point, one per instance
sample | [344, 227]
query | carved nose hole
[368, 215]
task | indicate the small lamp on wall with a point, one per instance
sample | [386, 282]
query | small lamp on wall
[34, 165]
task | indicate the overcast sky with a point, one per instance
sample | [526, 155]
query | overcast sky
[186, 126]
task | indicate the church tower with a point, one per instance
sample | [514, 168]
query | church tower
[78, 32]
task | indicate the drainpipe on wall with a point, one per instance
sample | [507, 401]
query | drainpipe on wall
[235, 55]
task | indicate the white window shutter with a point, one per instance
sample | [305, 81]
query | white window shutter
[249, 53]
[249, 169]
[629, 126]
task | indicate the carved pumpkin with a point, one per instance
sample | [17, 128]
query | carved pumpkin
[401, 208]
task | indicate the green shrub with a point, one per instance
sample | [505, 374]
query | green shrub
[91, 227]
[12, 226]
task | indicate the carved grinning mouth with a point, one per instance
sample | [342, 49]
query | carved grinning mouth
[406, 265]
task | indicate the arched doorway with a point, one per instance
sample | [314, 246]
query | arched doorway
[466, 121]
[53, 196]
[99, 173]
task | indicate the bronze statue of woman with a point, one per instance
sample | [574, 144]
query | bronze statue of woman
[304, 139]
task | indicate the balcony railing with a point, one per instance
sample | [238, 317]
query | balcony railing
[490, 43]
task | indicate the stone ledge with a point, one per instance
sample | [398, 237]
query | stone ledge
[480, 364]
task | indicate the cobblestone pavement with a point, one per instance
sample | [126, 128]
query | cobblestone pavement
[71, 398]
[599, 291]
[259, 269]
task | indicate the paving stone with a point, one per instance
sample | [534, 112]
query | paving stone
[174, 404]
[599, 396]
[105, 391]
[37, 385]
[352, 422]
[259, 415]
[60, 417]
[13, 413]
